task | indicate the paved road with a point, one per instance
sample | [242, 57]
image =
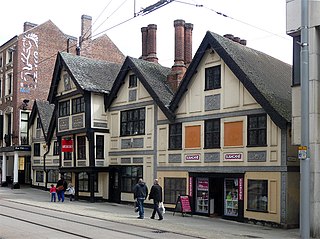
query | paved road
[195, 226]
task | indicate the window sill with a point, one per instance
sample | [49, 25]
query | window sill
[253, 210]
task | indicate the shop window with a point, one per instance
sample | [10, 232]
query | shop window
[56, 148]
[233, 133]
[78, 105]
[258, 195]
[83, 182]
[133, 122]
[213, 78]
[129, 177]
[39, 176]
[36, 149]
[231, 190]
[67, 177]
[257, 130]
[192, 136]
[53, 176]
[212, 133]
[64, 108]
[202, 200]
[132, 81]
[173, 187]
[81, 147]
[175, 136]
[100, 147]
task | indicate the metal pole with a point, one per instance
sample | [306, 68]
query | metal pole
[304, 163]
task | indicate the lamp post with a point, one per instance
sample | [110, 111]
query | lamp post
[304, 162]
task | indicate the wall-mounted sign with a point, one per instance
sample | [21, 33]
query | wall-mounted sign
[233, 157]
[192, 157]
[240, 190]
[66, 145]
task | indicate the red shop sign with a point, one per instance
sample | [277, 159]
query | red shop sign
[66, 145]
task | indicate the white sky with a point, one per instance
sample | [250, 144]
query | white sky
[269, 15]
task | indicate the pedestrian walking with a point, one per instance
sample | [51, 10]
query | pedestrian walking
[61, 188]
[140, 193]
[156, 195]
[53, 191]
[71, 191]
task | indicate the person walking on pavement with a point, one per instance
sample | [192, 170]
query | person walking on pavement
[71, 191]
[156, 195]
[61, 188]
[140, 193]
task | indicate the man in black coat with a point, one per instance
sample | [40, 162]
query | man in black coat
[156, 195]
[140, 193]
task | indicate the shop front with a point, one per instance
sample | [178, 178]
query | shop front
[217, 194]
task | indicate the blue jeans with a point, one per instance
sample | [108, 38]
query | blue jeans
[61, 195]
[53, 197]
[140, 202]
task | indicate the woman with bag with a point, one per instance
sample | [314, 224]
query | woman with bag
[156, 195]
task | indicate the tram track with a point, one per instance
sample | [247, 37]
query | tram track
[150, 229]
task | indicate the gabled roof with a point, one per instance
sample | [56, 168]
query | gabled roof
[153, 77]
[45, 112]
[267, 79]
[88, 74]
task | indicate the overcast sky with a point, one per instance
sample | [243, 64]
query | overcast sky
[261, 22]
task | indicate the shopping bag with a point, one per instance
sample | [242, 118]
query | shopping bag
[162, 208]
[136, 208]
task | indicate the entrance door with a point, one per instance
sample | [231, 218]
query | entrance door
[217, 194]
[114, 185]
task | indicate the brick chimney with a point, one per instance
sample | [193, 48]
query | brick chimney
[183, 52]
[188, 44]
[144, 33]
[152, 43]
[28, 25]
[86, 35]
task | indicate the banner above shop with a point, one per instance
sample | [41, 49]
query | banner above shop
[66, 145]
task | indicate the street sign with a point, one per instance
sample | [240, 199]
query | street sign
[302, 152]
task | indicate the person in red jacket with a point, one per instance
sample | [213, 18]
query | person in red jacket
[53, 191]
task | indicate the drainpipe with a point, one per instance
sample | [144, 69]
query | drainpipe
[44, 165]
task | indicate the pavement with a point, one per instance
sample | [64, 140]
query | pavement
[197, 226]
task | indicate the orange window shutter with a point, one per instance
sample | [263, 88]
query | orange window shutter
[233, 133]
[192, 136]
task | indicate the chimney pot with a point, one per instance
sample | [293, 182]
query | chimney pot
[144, 33]
[243, 42]
[179, 42]
[152, 43]
[229, 36]
[236, 39]
[188, 27]
[28, 25]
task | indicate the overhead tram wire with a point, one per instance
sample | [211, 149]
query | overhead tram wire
[140, 13]
[232, 18]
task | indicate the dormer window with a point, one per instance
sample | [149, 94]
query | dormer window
[132, 81]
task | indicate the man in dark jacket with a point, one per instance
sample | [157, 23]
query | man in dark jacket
[140, 193]
[61, 188]
[156, 195]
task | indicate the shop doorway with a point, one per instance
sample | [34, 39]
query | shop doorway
[216, 195]
[114, 186]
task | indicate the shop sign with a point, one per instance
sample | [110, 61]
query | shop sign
[203, 184]
[240, 188]
[67, 145]
[192, 157]
[233, 157]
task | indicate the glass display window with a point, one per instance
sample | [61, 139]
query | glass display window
[202, 199]
[231, 196]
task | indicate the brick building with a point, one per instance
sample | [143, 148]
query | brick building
[26, 68]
